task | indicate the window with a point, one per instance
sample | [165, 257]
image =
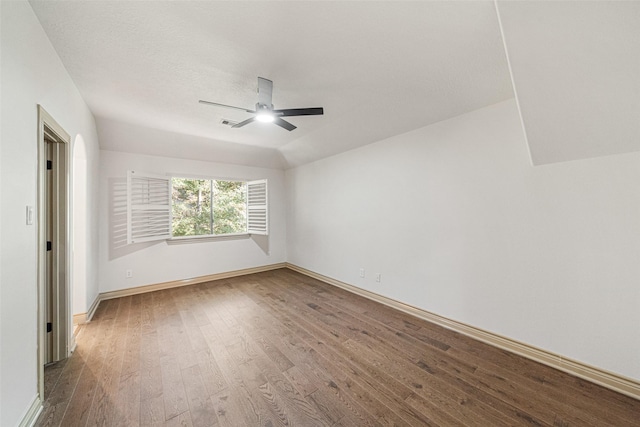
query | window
[161, 207]
[208, 207]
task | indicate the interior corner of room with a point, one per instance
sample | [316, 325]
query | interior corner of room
[476, 165]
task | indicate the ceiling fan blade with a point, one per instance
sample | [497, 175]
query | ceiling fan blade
[265, 91]
[246, 122]
[316, 111]
[283, 124]
[226, 106]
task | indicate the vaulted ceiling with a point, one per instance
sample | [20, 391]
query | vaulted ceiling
[378, 68]
[576, 68]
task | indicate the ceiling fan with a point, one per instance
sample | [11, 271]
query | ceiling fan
[264, 111]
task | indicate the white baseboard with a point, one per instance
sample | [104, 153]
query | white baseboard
[72, 344]
[610, 380]
[92, 309]
[186, 282]
[82, 318]
[32, 414]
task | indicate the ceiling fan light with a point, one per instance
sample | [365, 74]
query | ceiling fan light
[265, 117]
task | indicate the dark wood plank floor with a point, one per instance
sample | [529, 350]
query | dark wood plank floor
[279, 348]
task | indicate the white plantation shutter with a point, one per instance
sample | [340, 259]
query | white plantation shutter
[257, 212]
[148, 207]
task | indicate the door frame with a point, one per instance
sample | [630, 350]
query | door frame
[62, 325]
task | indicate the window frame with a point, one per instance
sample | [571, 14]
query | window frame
[171, 239]
[212, 218]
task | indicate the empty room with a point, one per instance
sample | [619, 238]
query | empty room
[319, 213]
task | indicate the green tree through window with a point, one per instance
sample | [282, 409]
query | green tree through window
[208, 207]
[230, 207]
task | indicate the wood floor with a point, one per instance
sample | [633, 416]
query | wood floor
[279, 348]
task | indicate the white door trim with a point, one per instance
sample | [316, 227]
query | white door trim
[62, 327]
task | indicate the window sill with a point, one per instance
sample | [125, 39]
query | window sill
[183, 240]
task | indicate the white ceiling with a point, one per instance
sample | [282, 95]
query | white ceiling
[576, 68]
[377, 68]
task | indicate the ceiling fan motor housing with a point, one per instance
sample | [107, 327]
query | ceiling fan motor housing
[263, 107]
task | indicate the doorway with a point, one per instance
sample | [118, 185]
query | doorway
[54, 320]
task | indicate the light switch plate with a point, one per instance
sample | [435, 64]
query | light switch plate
[30, 212]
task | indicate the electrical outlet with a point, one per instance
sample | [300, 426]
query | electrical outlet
[362, 272]
[129, 274]
[378, 277]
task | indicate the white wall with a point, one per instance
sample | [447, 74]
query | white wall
[158, 262]
[459, 223]
[85, 225]
[1, 248]
[575, 67]
[31, 74]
